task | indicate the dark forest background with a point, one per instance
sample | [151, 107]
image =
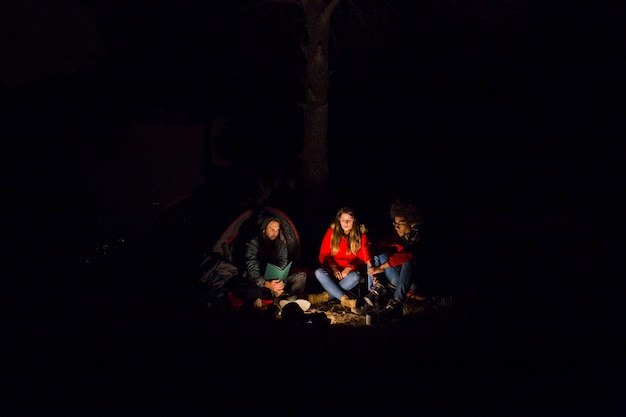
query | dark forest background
[497, 108]
[505, 119]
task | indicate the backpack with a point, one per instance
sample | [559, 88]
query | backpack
[213, 275]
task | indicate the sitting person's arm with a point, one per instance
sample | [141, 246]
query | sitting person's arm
[253, 265]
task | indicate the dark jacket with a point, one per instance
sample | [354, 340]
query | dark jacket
[260, 250]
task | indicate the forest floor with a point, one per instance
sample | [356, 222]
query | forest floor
[437, 311]
[435, 307]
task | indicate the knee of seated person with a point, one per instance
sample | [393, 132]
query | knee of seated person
[320, 272]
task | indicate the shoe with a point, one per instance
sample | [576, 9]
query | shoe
[415, 296]
[348, 302]
[392, 310]
[318, 298]
[260, 303]
[375, 294]
[304, 304]
[285, 296]
[235, 301]
[361, 310]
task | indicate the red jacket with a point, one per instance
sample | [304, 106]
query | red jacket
[343, 258]
[402, 250]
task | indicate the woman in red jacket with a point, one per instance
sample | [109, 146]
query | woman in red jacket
[342, 255]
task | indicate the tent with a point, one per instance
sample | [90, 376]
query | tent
[232, 241]
[227, 253]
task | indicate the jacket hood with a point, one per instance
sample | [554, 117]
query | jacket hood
[267, 221]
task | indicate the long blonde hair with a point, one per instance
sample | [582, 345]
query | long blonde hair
[353, 236]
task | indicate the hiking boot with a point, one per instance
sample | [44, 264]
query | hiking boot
[375, 294]
[318, 298]
[392, 310]
[362, 309]
[348, 302]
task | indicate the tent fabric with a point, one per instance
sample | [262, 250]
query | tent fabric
[231, 243]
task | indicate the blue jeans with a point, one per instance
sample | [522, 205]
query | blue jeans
[401, 276]
[334, 287]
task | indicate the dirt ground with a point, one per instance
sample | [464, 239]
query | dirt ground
[340, 315]
[332, 315]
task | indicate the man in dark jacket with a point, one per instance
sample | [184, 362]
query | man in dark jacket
[270, 246]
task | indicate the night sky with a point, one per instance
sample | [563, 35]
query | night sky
[507, 122]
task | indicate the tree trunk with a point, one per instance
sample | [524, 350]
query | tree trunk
[315, 161]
